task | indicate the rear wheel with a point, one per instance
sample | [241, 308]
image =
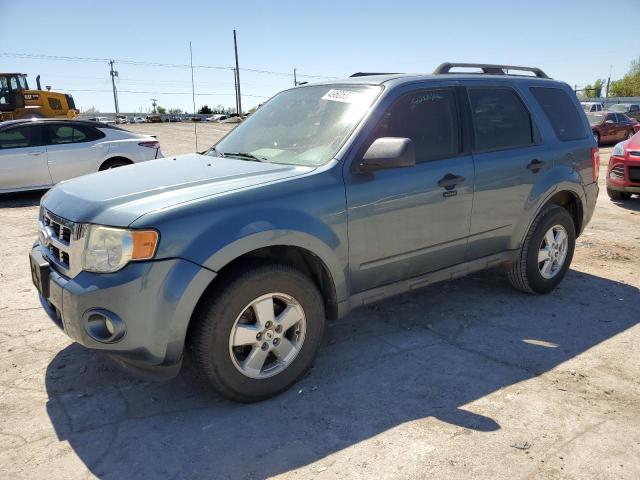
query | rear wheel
[547, 252]
[114, 163]
[616, 195]
[630, 134]
[258, 332]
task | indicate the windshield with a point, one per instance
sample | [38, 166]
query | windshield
[595, 118]
[302, 126]
[618, 108]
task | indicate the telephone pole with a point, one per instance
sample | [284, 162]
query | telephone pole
[295, 80]
[114, 74]
[235, 47]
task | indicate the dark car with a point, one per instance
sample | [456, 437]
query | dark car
[610, 127]
[629, 109]
[329, 197]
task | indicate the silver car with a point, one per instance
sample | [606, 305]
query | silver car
[36, 154]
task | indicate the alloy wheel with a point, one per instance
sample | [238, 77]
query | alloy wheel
[267, 335]
[553, 251]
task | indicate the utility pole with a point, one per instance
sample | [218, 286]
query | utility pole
[235, 47]
[154, 102]
[295, 80]
[235, 86]
[193, 96]
[114, 74]
[609, 81]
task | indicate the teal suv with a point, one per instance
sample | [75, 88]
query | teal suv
[329, 197]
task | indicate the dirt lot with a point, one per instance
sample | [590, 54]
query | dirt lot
[468, 379]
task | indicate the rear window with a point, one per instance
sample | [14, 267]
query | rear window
[500, 119]
[561, 112]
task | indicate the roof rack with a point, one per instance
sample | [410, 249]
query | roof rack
[367, 74]
[488, 69]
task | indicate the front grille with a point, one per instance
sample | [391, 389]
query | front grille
[634, 174]
[60, 239]
[634, 153]
[617, 172]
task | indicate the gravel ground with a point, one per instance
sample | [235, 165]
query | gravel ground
[467, 379]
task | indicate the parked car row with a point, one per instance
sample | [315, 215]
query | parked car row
[36, 154]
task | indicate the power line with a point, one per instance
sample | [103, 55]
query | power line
[40, 56]
[155, 93]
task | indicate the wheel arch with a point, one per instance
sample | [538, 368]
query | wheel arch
[105, 163]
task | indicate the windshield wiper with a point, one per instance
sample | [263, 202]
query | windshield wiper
[244, 156]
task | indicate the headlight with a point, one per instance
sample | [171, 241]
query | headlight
[109, 249]
[618, 150]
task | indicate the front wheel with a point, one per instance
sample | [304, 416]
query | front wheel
[546, 253]
[258, 332]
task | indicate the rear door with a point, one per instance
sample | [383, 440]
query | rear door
[73, 149]
[23, 159]
[509, 157]
[402, 223]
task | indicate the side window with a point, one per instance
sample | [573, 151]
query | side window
[634, 108]
[429, 118]
[622, 118]
[20, 137]
[63, 134]
[500, 119]
[598, 107]
[610, 116]
[55, 104]
[561, 112]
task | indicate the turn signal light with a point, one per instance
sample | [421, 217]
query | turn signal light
[144, 244]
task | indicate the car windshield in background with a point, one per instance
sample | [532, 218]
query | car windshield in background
[595, 118]
[301, 126]
[619, 108]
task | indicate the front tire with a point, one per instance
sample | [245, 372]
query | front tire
[546, 253]
[114, 163]
[257, 331]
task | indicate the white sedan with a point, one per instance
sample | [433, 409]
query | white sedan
[36, 154]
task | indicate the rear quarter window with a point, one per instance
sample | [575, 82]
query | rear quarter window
[561, 113]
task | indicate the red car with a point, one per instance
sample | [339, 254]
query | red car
[623, 174]
[611, 127]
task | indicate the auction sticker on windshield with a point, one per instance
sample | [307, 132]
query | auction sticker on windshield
[346, 96]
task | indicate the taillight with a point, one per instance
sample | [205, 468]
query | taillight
[595, 163]
[150, 144]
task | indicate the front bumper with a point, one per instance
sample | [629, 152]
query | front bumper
[154, 300]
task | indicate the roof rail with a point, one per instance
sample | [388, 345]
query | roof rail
[366, 74]
[489, 69]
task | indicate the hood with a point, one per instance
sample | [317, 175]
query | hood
[119, 196]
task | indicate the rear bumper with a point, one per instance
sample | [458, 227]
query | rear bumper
[591, 196]
[153, 300]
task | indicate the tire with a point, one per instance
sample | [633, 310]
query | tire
[525, 273]
[616, 195]
[630, 134]
[596, 137]
[220, 315]
[114, 163]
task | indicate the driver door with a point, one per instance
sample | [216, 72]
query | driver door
[23, 159]
[402, 223]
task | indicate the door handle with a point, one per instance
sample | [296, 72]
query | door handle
[449, 181]
[535, 165]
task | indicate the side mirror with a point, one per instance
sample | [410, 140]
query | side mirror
[388, 152]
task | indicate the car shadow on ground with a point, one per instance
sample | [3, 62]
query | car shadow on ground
[21, 199]
[419, 355]
[632, 204]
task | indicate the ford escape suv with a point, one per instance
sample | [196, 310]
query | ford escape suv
[329, 197]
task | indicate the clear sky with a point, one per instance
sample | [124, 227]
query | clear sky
[570, 40]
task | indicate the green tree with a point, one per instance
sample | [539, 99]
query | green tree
[629, 85]
[161, 110]
[593, 91]
[205, 110]
[175, 111]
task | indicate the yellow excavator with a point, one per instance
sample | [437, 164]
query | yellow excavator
[18, 101]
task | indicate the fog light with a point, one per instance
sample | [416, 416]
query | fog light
[104, 326]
